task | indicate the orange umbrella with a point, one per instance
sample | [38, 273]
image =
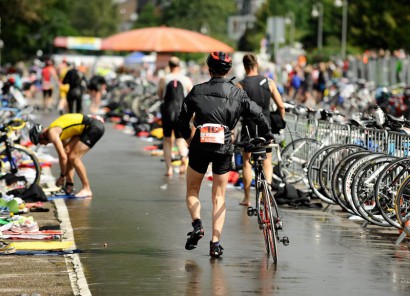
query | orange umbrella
[163, 39]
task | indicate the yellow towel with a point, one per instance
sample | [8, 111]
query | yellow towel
[43, 246]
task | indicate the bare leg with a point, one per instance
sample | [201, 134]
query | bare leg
[168, 144]
[218, 202]
[94, 101]
[183, 151]
[78, 149]
[46, 102]
[246, 179]
[97, 101]
[268, 167]
[62, 105]
[193, 183]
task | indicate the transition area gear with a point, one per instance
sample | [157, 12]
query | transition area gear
[34, 133]
[219, 62]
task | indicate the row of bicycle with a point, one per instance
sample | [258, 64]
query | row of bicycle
[19, 165]
[366, 171]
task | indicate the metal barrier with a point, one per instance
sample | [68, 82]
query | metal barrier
[332, 133]
[398, 144]
[306, 127]
[373, 139]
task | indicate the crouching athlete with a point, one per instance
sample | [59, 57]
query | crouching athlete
[72, 135]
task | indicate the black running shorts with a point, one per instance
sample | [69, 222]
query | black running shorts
[93, 132]
[168, 127]
[47, 92]
[199, 161]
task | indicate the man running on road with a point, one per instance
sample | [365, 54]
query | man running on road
[217, 104]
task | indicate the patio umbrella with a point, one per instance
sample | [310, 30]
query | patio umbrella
[163, 39]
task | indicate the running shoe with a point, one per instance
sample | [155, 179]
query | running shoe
[6, 248]
[194, 237]
[215, 250]
[25, 225]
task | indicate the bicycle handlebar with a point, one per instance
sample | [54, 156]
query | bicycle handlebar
[12, 125]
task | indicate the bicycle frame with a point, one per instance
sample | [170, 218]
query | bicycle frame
[266, 208]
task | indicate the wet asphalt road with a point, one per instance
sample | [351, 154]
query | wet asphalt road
[142, 218]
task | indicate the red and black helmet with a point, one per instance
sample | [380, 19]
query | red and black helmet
[219, 62]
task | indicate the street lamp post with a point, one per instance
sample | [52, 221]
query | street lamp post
[1, 45]
[317, 12]
[290, 20]
[343, 3]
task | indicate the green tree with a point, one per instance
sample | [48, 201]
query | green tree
[30, 25]
[194, 15]
[150, 16]
[26, 26]
[96, 18]
[380, 24]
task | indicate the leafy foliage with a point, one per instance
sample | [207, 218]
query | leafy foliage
[30, 25]
[150, 16]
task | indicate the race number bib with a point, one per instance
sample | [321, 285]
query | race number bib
[212, 133]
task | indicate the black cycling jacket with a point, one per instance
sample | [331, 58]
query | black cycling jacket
[219, 101]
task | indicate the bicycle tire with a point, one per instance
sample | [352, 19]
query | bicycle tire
[402, 205]
[350, 175]
[329, 163]
[313, 172]
[25, 161]
[386, 188]
[363, 189]
[262, 216]
[296, 158]
[270, 225]
[337, 181]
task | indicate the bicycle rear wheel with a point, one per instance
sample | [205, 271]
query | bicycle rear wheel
[271, 214]
[23, 163]
[386, 187]
[402, 205]
[363, 189]
[296, 157]
[313, 172]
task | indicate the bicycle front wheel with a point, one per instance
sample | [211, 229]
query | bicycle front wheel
[23, 163]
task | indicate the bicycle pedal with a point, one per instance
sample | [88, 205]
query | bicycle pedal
[279, 225]
[285, 241]
[252, 212]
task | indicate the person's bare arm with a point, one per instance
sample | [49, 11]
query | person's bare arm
[277, 98]
[189, 85]
[161, 86]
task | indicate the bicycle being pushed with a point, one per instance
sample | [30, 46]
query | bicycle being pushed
[266, 208]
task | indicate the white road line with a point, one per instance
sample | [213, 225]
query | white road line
[74, 266]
